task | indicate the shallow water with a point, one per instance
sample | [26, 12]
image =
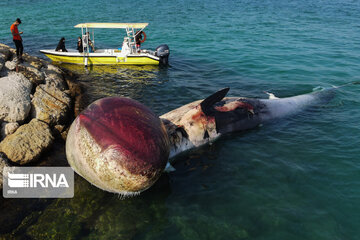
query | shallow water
[293, 179]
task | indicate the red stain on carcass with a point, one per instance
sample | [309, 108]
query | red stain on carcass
[198, 115]
[130, 128]
[234, 105]
[201, 117]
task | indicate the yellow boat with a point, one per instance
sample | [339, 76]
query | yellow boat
[130, 52]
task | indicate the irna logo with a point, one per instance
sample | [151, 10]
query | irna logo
[38, 182]
[34, 180]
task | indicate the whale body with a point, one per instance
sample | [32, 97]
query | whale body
[121, 146]
[203, 121]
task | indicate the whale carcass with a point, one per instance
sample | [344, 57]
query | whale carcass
[121, 146]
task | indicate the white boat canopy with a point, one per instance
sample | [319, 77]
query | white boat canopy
[112, 25]
[88, 43]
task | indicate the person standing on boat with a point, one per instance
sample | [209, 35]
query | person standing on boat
[140, 37]
[87, 43]
[79, 45]
[17, 39]
[91, 46]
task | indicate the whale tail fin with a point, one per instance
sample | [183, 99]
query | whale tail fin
[208, 102]
[326, 94]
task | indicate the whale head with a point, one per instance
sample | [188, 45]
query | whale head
[119, 145]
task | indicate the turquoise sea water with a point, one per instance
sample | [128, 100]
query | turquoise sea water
[298, 178]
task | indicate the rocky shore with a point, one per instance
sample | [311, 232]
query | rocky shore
[37, 101]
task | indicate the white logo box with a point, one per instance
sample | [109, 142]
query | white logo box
[38, 182]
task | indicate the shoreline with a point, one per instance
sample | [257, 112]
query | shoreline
[38, 102]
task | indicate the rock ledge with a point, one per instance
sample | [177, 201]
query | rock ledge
[36, 107]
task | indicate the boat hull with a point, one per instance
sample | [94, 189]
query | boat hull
[101, 59]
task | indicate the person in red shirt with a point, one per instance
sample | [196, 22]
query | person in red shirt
[17, 38]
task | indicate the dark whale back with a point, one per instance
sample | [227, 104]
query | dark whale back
[232, 114]
[238, 119]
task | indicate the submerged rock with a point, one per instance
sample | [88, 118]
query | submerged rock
[95, 214]
[15, 102]
[28, 142]
[76, 92]
[50, 104]
[19, 213]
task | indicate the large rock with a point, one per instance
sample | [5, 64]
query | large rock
[33, 61]
[4, 49]
[54, 78]
[28, 142]
[15, 102]
[32, 73]
[51, 105]
[10, 65]
[2, 60]
[55, 69]
[55, 81]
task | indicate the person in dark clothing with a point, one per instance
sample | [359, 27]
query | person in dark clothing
[61, 45]
[140, 37]
[79, 45]
[17, 38]
[91, 46]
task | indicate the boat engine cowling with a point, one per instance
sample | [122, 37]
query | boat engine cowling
[163, 53]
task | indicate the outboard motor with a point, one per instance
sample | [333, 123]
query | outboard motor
[163, 53]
